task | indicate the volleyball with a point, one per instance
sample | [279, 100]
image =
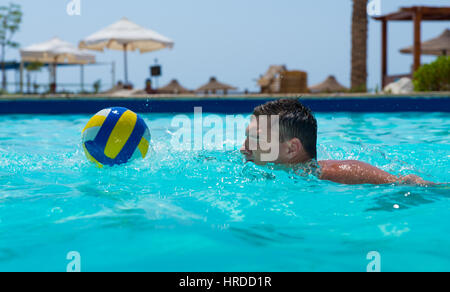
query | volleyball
[115, 136]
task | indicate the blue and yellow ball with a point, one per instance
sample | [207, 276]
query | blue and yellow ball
[115, 136]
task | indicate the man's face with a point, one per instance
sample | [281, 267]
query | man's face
[262, 144]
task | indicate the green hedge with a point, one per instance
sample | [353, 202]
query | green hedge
[434, 76]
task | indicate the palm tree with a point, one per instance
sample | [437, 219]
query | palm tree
[359, 46]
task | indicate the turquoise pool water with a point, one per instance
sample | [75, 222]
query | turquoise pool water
[208, 211]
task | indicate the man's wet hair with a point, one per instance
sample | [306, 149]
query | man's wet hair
[296, 121]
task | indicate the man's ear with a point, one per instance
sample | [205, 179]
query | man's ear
[295, 147]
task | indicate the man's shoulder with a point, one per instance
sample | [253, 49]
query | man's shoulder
[342, 165]
[337, 163]
[328, 168]
[353, 172]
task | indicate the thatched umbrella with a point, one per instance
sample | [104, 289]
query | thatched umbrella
[436, 47]
[213, 85]
[329, 85]
[173, 87]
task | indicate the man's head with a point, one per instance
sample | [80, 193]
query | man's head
[296, 133]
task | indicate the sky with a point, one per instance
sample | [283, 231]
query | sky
[234, 40]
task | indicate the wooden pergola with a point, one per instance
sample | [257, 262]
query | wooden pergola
[417, 14]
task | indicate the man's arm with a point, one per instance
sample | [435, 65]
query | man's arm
[353, 172]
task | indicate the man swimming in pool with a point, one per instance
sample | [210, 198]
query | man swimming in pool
[297, 136]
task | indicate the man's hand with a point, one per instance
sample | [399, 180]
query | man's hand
[414, 180]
